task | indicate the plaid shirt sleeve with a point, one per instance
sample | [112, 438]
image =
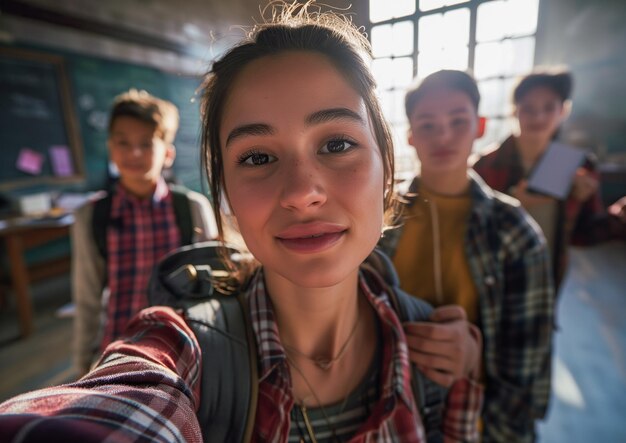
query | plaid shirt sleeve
[463, 406]
[145, 388]
[518, 391]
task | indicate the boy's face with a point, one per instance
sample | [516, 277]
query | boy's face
[138, 151]
[443, 127]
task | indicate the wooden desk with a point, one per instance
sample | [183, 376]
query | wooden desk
[19, 235]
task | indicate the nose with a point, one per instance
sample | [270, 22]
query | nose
[136, 151]
[303, 187]
[442, 133]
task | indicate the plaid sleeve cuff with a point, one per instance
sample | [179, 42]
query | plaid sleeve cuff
[463, 407]
[158, 336]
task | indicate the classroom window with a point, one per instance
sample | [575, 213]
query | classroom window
[495, 39]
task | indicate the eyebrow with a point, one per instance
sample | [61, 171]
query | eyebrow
[249, 130]
[316, 118]
[327, 115]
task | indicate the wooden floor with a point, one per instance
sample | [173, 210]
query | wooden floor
[589, 372]
[43, 359]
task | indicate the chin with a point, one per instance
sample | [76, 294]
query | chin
[319, 275]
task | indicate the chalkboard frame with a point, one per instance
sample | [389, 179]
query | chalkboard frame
[57, 62]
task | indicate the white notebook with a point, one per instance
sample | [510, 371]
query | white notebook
[554, 173]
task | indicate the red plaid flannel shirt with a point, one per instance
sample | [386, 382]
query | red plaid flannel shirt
[579, 223]
[393, 419]
[140, 233]
[146, 388]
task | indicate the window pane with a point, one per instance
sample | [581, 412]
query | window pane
[382, 41]
[450, 58]
[491, 97]
[457, 24]
[495, 97]
[490, 21]
[510, 57]
[384, 9]
[499, 19]
[393, 73]
[427, 5]
[522, 16]
[444, 30]
[402, 69]
[396, 39]
[382, 70]
[403, 38]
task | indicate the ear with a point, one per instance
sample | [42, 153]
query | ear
[482, 124]
[170, 156]
[410, 138]
[566, 110]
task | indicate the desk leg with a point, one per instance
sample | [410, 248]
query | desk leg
[19, 278]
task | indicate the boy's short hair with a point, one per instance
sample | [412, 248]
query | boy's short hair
[147, 108]
[559, 81]
[444, 79]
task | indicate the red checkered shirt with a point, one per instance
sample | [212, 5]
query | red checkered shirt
[139, 234]
[579, 223]
[145, 388]
[394, 418]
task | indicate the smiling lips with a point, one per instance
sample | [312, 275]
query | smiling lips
[311, 237]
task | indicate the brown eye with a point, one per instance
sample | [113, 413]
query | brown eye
[255, 159]
[337, 146]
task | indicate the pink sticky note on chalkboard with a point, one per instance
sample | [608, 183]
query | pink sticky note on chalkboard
[29, 161]
[61, 161]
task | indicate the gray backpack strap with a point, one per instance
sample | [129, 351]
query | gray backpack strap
[229, 383]
[429, 396]
[229, 371]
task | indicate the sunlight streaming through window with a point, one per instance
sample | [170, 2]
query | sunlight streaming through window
[501, 49]
[384, 10]
[429, 5]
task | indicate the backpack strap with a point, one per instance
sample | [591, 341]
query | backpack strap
[229, 385]
[429, 396]
[100, 221]
[182, 212]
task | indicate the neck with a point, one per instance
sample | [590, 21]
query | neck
[530, 149]
[445, 183]
[315, 321]
[139, 188]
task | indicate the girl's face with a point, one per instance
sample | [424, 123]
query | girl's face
[540, 113]
[303, 173]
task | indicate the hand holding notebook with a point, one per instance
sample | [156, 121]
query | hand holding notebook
[554, 173]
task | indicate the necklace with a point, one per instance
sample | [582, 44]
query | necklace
[326, 363]
[303, 408]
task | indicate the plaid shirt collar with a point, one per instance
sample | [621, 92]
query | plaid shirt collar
[122, 197]
[273, 360]
[481, 194]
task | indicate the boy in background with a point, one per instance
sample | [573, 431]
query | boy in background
[461, 243]
[118, 238]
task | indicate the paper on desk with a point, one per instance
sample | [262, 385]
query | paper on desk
[61, 161]
[29, 161]
[554, 173]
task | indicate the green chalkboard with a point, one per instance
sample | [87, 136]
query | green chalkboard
[96, 82]
[78, 90]
[36, 121]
